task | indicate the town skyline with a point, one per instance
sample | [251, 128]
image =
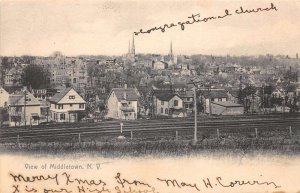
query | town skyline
[104, 28]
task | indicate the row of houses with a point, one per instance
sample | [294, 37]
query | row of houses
[25, 109]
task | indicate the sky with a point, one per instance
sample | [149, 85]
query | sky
[105, 27]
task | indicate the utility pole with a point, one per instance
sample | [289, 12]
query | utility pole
[195, 111]
[25, 93]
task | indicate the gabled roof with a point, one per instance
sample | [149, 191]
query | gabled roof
[164, 95]
[131, 94]
[221, 93]
[19, 99]
[58, 96]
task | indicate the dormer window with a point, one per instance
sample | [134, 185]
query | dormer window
[72, 97]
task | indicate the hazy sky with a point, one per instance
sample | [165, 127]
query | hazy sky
[40, 27]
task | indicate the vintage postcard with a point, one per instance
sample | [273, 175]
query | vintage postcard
[162, 96]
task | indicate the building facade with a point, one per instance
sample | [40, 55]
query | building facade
[66, 106]
[122, 103]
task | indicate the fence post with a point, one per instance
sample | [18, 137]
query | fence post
[176, 135]
[218, 133]
[256, 135]
[290, 131]
[131, 134]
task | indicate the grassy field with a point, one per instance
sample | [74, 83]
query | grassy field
[164, 147]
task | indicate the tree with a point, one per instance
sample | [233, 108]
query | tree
[244, 94]
[35, 76]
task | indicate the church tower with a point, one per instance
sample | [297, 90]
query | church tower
[132, 46]
[128, 48]
[171, 52]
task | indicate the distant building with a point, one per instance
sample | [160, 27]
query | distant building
[68, 71]
[44, 94]
[4, 95]
[66, 105]
[167, 104]
[24, 109]
[159, 65]
[122, 103]
[13, 77]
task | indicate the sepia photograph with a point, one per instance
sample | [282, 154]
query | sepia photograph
[162, 96]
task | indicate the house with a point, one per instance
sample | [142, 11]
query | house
[159, 65]
[212, 95]
[122, 103]
[226, 108]
[4, 95]
[167, 104]
[23, 109]
[66, 106]
[188, 100]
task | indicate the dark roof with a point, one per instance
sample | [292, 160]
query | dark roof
[234, 92]
[164, 95]
[221, 93]
[58, 96]
[131, 94]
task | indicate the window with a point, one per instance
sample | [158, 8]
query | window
[60, 106]
[81, 106]
[74, 80]
[71, 105]
[161, 110]
[72, 97]
[175, 103]
[62, 116]
[186, 106]
[129, 103]
[166, 111]
[162, 102]
[212, 99]
[220, 99]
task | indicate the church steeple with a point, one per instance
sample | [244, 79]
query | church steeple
[132, 46]
[171, 52]
[129, 47]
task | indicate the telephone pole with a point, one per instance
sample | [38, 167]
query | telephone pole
[25, 93]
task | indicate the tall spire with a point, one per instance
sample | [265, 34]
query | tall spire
[171, 51]
[129, 47]
[132, 46]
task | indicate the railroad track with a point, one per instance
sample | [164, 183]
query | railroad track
[147, 128]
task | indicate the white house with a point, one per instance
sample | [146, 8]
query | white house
[168, 104]
[4, 95]
[66, 105]
[122, 103]
[23, 109]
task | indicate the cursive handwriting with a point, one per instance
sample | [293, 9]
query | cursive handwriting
[20, 177]
[124, 181]
[177, 184]
[195, 18]
[242, 182]
[65, 183]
